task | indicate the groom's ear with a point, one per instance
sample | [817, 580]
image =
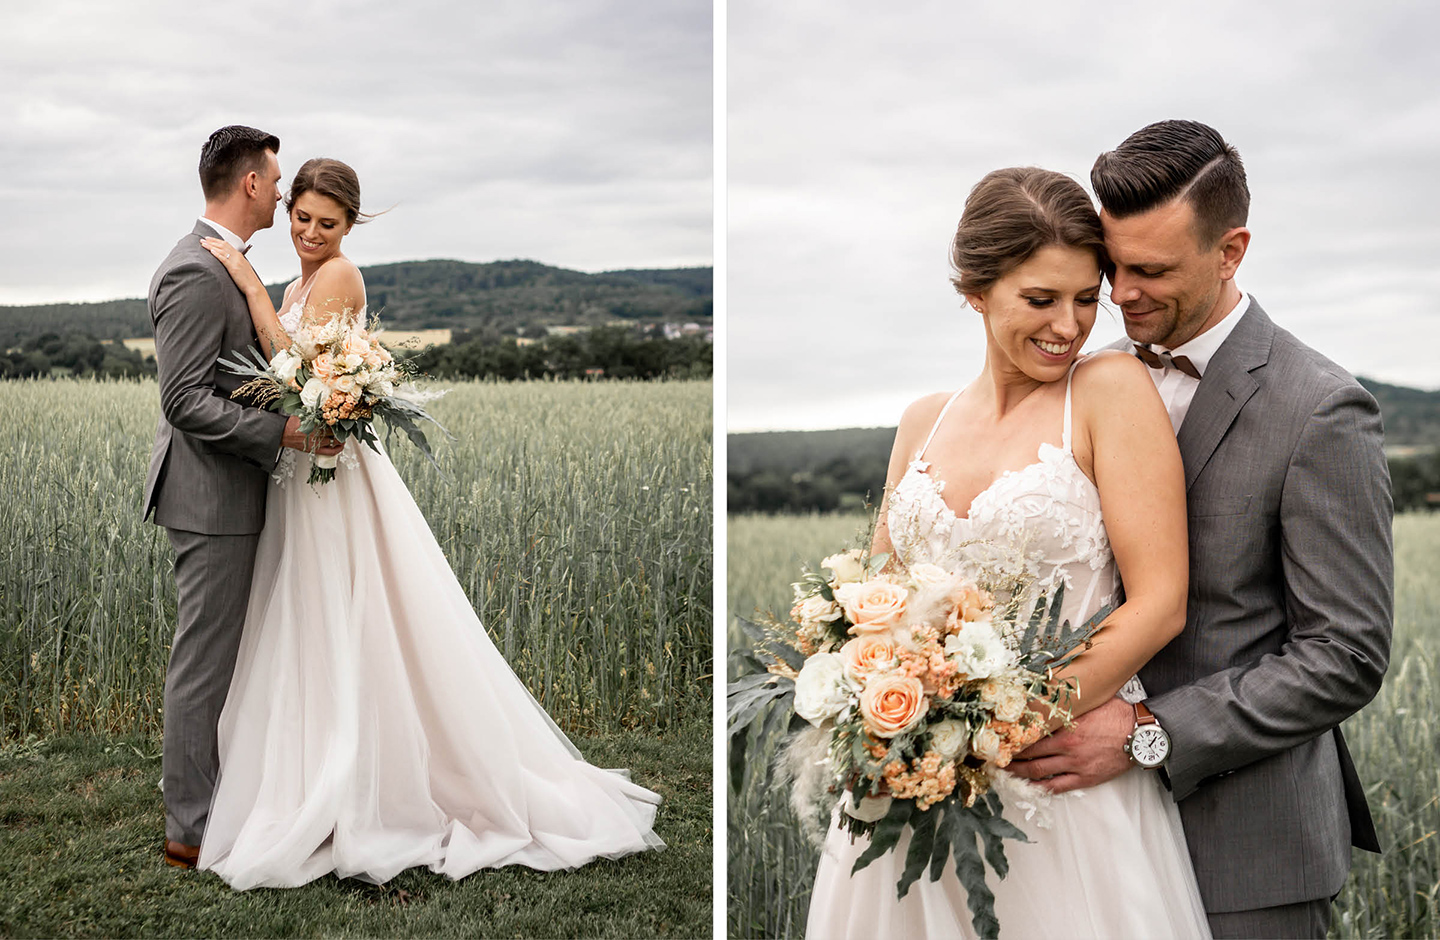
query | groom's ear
[1232, 251]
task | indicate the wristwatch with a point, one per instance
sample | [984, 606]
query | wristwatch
[1148, 744]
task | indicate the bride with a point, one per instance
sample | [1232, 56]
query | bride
[371, 725]
[1072, 459]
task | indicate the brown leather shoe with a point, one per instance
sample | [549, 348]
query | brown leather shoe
[181, 855]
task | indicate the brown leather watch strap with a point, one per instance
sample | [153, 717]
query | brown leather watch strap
[1143, 715]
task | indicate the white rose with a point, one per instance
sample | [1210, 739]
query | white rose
[383, 387]
[821, 689]
[927, 576]
[949, 738]
[285, 365]
[986, 744]
[978, 650]
[349, 361]
[346, 384]
[817, 608]
[870, 808]
[1008, 699]
[846, 567]
[314, 390]
[845, 593]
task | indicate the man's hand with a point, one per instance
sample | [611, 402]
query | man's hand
[319, 443]
[1091, 752]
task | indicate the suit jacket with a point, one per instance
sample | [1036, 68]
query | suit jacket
[212, 454]
[1289, 617]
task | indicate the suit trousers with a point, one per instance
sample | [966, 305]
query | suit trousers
[1305, 919]
[212, 580]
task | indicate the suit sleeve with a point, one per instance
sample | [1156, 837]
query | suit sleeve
[1338, 569]
[189, 339]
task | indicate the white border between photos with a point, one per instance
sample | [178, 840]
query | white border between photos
[718, 464]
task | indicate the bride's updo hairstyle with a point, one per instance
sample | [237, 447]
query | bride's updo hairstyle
[332, 178]
[1013, 213]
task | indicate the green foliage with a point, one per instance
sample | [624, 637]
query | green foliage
[1415, 481]
[111, 319]
[74, 354]
[807, 471]
[501, 297]
[616, 352]
[1412, 416]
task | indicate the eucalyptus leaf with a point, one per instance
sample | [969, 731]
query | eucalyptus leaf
[887, 833]
[922, 844]
[971, 872]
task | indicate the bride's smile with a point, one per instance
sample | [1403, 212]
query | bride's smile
[1039, 314]
[317, 225]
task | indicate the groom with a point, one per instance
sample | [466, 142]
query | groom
[1291, 581]
[208, 469]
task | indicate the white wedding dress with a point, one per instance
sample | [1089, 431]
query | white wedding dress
[372, 726]
[1113, 864]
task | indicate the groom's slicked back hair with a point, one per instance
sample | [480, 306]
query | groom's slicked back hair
[229, 154]
[1175, 158]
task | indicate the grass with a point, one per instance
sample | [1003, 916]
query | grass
[81, 823]
[1395, 741]
[576, 516]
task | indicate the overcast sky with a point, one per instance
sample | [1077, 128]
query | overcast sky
[572, 132]
[855, 136]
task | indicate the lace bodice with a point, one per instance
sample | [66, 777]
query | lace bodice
[289, 322]
[290, 316]
[1045, 516]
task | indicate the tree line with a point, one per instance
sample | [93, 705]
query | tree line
[74, 354]
[602, 353]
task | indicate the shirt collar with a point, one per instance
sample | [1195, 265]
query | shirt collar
[235, 241]
[1200, 349]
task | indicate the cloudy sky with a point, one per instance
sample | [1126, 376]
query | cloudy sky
[573, 132]
[854, 138]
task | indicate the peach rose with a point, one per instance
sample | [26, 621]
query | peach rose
[323, 367]
[355, 345]
[875, 606]
[868, 653]
[892, 704]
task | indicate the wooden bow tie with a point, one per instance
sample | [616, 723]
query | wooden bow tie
[1166, 361]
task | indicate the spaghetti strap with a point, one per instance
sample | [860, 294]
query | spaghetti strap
[941, 417]
[1065, 433]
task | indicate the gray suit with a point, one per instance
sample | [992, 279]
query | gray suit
[206, 486]
[1289, 618]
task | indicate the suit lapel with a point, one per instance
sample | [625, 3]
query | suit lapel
[1224, 390]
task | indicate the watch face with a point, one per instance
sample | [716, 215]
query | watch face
[1150, 746]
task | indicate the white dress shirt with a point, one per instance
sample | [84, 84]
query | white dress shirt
[235, 241]
[1176, 388]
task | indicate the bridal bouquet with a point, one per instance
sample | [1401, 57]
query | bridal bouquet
[917, 689]
[336, 376]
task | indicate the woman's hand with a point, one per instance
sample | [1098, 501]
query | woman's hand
[235, 262]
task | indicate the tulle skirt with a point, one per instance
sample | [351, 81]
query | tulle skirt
[372, 725]
[1112, 865]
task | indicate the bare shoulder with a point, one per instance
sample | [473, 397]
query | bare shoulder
[339, 280]
[919, 416]
[1112, 370]
[923, 411]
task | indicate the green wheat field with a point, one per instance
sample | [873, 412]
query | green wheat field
[578, 518]
[1395, 742]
